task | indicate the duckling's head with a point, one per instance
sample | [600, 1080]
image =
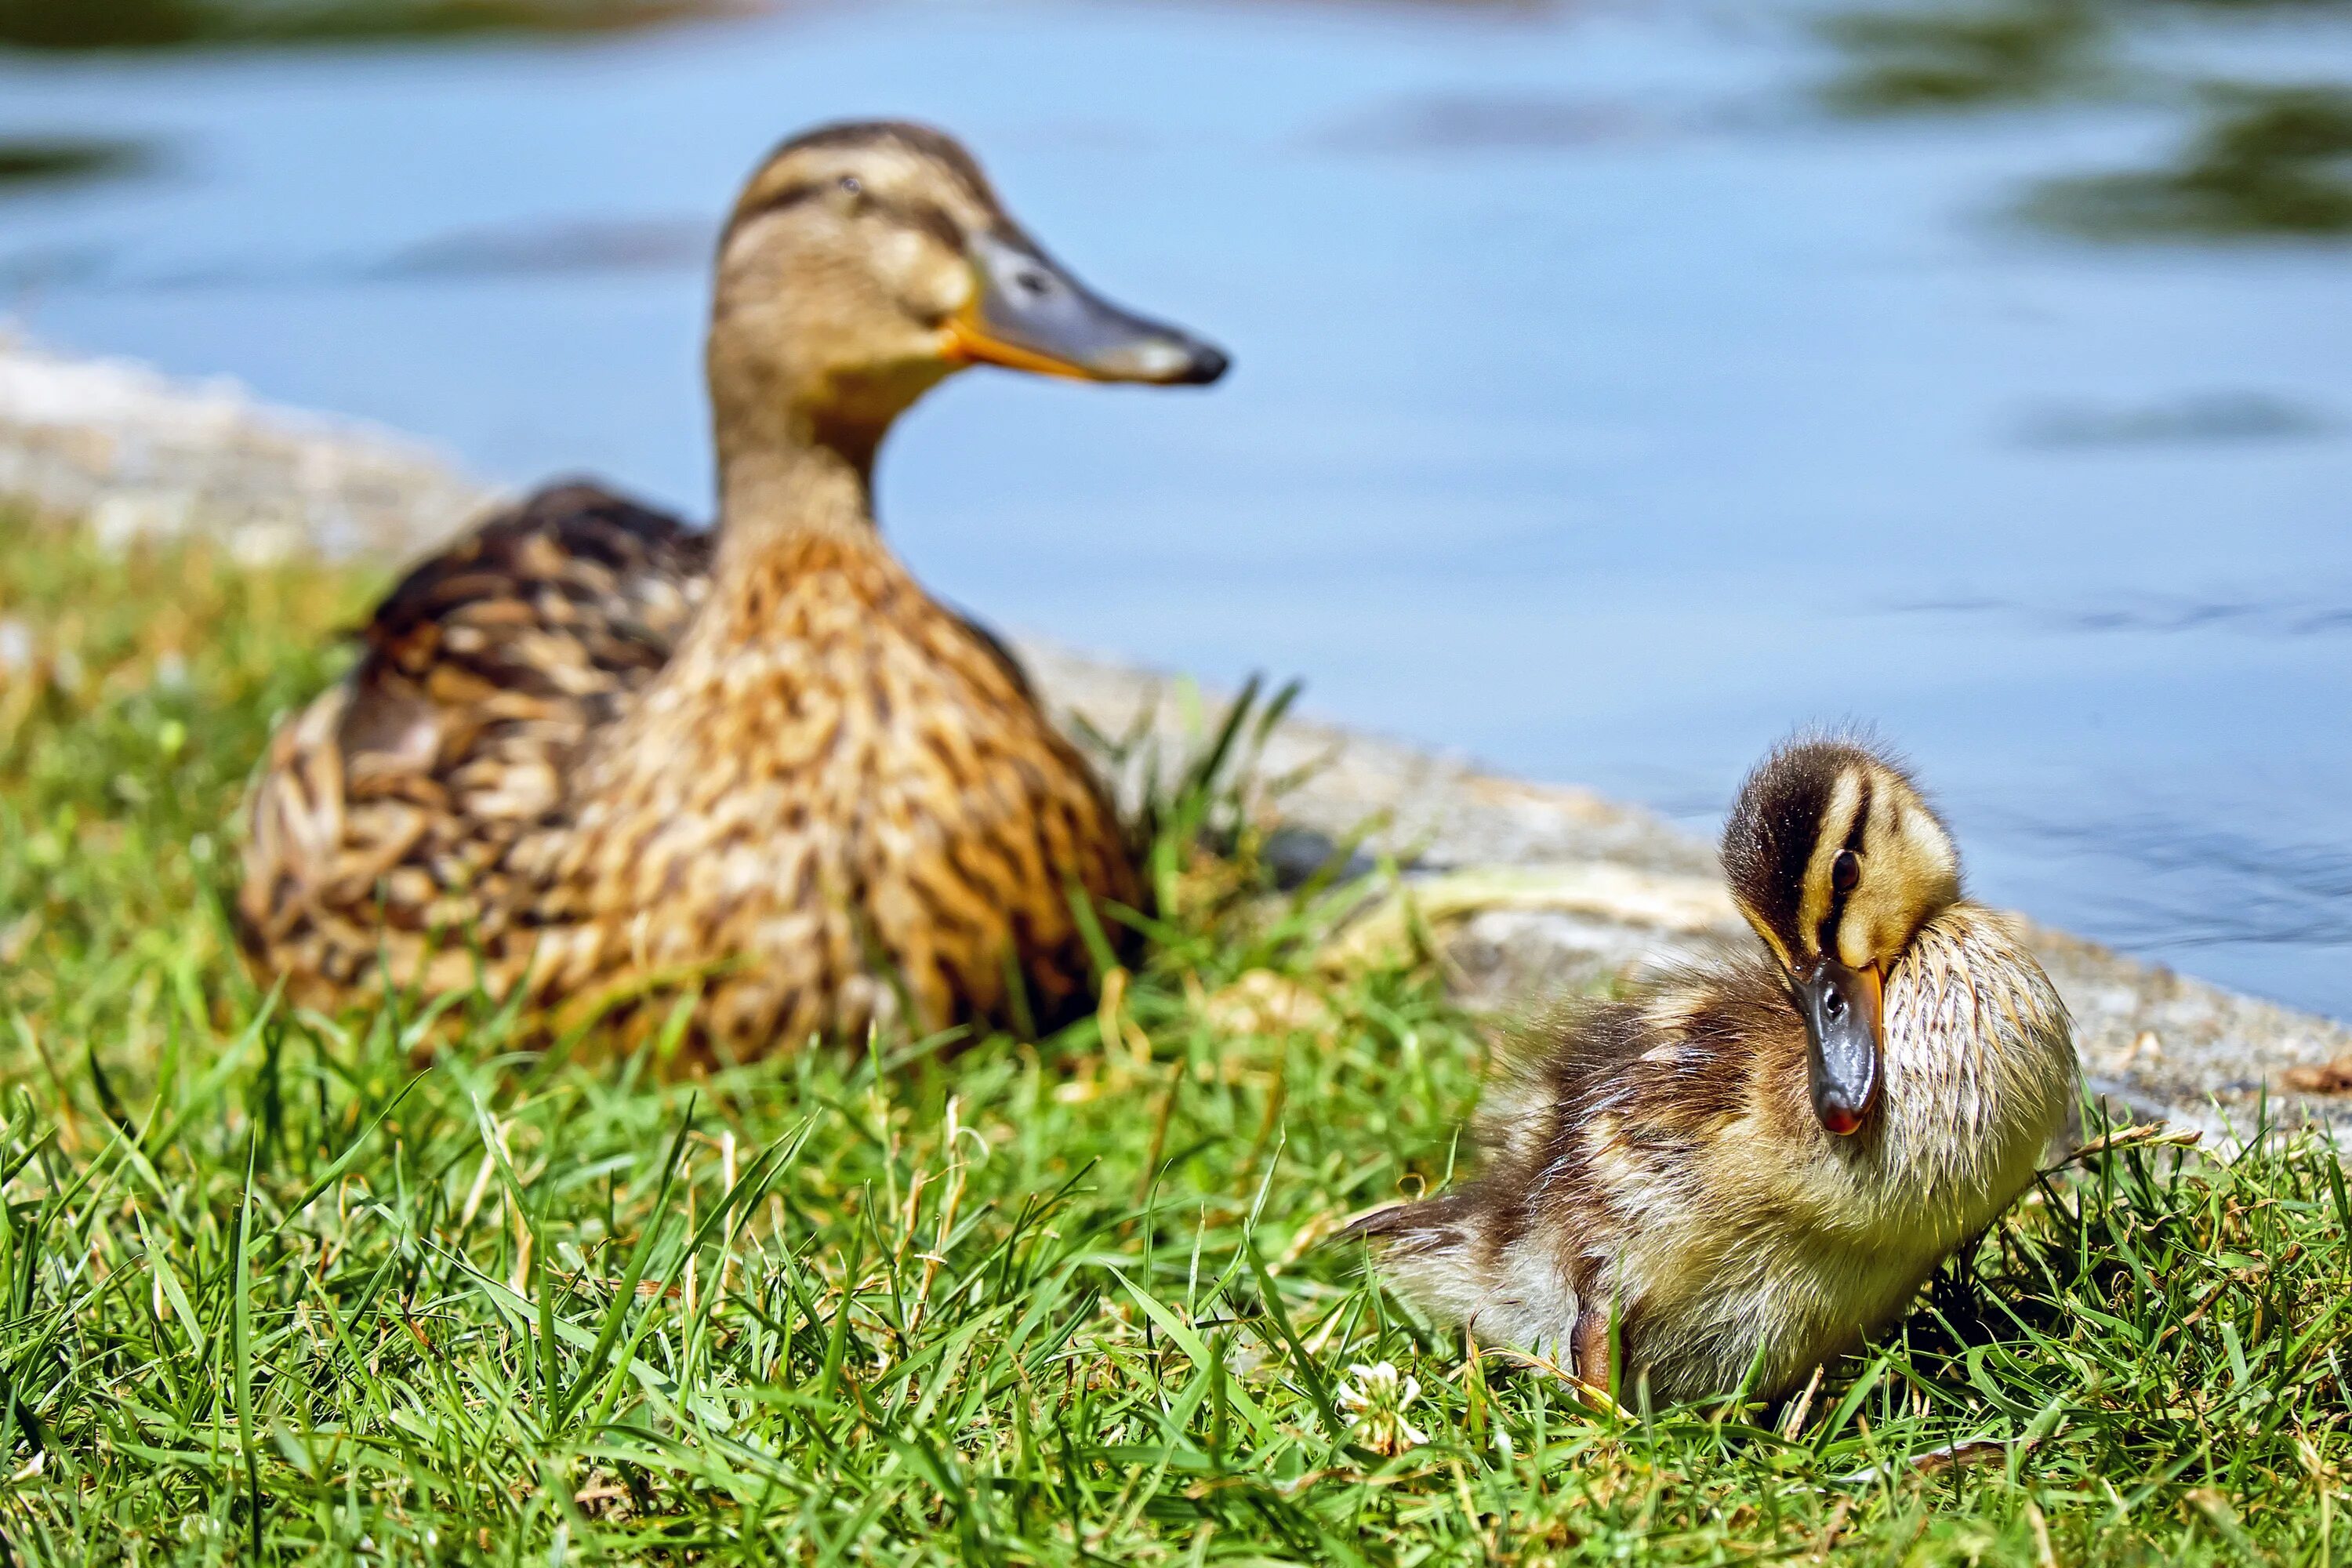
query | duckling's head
[1837, 861]
[866, 261]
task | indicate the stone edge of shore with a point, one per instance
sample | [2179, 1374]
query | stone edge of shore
[1533, 889]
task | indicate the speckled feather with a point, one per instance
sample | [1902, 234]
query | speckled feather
[843, 798]
[379, 809]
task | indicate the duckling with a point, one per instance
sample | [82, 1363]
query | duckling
[594, 755]
[1741, 1170]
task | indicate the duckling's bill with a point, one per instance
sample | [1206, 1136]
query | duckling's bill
[1029, 314]
[1842, 1010]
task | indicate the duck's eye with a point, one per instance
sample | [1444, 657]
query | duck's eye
[850, 185]
[1845, 872]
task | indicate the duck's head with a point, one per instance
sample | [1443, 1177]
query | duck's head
[1837, 862]
[866, 261]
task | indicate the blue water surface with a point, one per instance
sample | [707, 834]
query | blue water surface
[1603, 410]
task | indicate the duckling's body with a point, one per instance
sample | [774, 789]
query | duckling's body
[593, 753]
[1674, 1158]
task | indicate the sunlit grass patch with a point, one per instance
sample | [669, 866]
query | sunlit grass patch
[270, 1287]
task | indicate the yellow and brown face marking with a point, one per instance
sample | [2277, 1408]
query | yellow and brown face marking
[1832, 869]
[1836, 861]
[1773, 838]
[1832, 853]
[1906, 873]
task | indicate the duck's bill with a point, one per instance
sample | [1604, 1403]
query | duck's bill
[1843, 1009]
[1030, 315]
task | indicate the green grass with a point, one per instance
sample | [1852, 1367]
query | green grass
[269, 1287]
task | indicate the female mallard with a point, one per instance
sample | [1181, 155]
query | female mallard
[592, 753]
[1744, 1170]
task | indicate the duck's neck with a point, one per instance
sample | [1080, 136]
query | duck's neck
[794, 484]
[795, 530]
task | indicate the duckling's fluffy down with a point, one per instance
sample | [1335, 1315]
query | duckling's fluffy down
[1653, 1163]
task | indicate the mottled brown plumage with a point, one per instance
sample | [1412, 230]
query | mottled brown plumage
[593, 753]
[1675, 1160]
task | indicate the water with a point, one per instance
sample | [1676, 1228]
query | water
[1602, 408]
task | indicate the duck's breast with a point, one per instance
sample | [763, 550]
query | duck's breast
[844, 795]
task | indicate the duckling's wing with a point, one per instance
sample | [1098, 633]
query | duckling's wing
[482, 671]
[1512, 1252]
[1500, 1256]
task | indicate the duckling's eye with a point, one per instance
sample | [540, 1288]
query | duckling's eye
[1845, 872]
[850, 185]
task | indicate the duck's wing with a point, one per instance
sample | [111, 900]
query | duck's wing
[574, 597]
[481, 673]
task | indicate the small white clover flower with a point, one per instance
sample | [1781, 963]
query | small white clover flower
[1376, 1397]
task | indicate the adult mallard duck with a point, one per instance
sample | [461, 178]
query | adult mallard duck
[595, 755]
[1743, 1169]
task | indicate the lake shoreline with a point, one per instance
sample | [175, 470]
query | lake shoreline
[1530, 888]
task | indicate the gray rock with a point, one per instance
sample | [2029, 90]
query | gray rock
[140, 454]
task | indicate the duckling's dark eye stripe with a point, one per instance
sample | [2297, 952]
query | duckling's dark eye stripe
[1861, 819]
[1791, 826]
[1826, 939]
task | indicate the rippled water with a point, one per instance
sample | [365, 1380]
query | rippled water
[1603, 408]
